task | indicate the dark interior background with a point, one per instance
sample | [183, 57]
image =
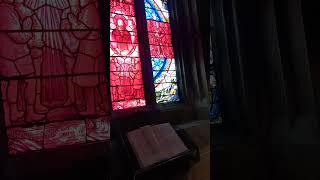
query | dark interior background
[268, 53]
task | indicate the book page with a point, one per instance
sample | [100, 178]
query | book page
[145, 145]
[139, 146]
[169, 140]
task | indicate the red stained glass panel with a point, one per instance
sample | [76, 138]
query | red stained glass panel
[98, 129]
[158, 27]
[126, 81]
[161, 51]
[123, 37]
[160, 39]
[58, 134]
[53, 66]
[125, 64]
[25, 139]
[125, 1]
[49, 15]
[54, 99]
[117, 7]
[121, 22]
[127, 93]
[128, 104]
[65, 55]
[118, 49]
[126, 78]
[64, 133]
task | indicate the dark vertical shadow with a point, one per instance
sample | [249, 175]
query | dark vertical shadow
[144, 49]
[104, 11]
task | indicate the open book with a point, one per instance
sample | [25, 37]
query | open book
[155, 143]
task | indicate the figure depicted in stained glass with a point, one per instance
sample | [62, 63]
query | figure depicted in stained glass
[49, 49]
[53, 63]
[125, 67]
[90, 59]
[126, 45]
[16, 60]
[54, 66]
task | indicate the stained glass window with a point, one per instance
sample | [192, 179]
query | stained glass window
[161, 50]
[53, 76]
[126, 81]
[54, 88]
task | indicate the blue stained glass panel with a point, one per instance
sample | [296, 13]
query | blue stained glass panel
[166, 92]
[161, 51]
[160, 5]
[157, 15]
[162, 67]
